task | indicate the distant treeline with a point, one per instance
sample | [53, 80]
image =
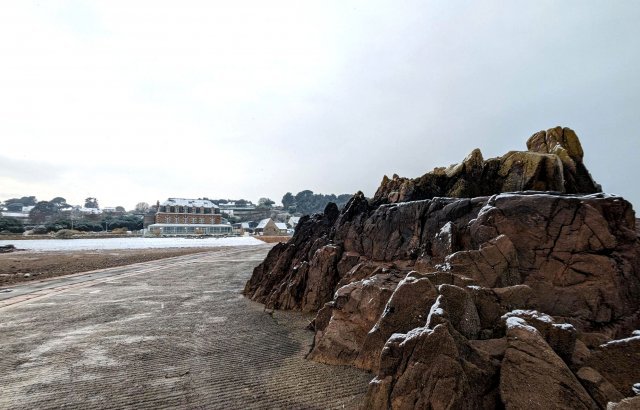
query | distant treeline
[57, 214]
[128, 222]
[307, 203]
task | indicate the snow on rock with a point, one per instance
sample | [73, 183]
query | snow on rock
[534, 314]
[519, 323]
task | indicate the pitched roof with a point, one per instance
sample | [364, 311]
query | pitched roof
[206, 203]
[281, 225]
[263, 223]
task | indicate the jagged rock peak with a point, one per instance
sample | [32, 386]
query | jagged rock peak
[553, 162]
[556, 140]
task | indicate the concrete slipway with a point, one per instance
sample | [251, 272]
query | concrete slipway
[173, 333]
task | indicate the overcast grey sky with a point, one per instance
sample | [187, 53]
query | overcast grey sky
[131, 101]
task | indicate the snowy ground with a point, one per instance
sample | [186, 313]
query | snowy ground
[128, 243]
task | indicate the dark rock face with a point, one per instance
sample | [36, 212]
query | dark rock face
[478, 300]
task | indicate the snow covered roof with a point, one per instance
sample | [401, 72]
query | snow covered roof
[281, 225]
[14, 214]
[197, 203]
[245, 225]
[263, 223]
[94, 211]
[294, 220]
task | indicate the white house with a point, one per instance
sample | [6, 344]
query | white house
[293, 221]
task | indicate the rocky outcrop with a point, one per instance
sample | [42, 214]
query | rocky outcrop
[484, 298]
[553, 162]
[8, 248]
[302, 273]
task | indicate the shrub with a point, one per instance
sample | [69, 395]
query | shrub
[65, 233]
[11, 225]
[39, 230]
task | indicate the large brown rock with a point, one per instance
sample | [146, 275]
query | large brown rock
[564, 143]
[322, 276]
[455, 306]
[618, 361]
[354, 311]
[407, 308]
[578, 254]
[494, 265]
[281, 280]
[598, 387]
[433, 368]
[532, 376]
[561, 337]
[567, 262]
[492, 304]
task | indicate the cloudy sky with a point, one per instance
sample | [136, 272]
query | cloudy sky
[131, 101]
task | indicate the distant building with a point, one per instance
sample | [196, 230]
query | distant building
[88, 211]
[242, 210]
[20, 213]
[293, 221]
[180, 216]
[188, 212]
[268, 227]
[282, 228]
[245, 227]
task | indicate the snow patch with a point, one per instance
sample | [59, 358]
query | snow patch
[621, 341]
[519, 323]
[530, 313]
[443, 267]
[564, 326]
[436, 309]
[415, 333]
[44, 245]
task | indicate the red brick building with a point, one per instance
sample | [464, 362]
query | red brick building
[188, 212]
[188, 217]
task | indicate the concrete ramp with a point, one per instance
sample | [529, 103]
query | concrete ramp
[173, 333]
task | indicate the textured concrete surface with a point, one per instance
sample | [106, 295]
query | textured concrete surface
[173, 333]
